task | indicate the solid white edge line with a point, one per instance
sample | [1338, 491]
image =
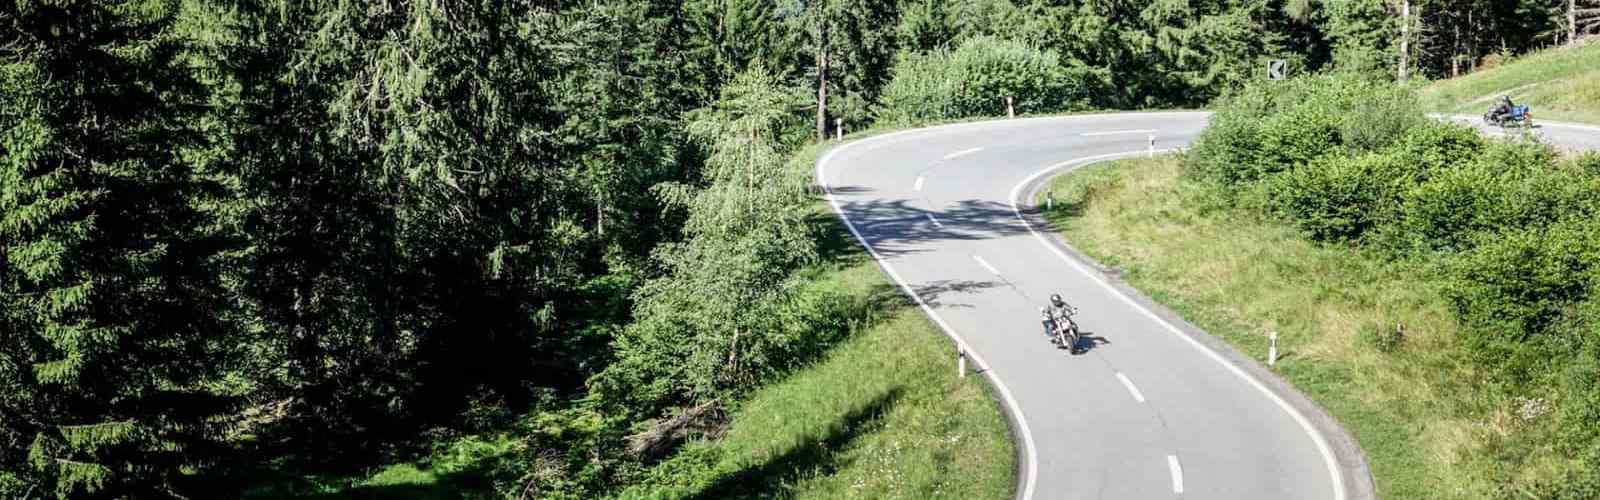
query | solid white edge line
[918, 186]
[1118, 132]
[935, 221]
[961, 153]
[1305, 424]
[1137, 396]
[1177, 473]
[1032, 473]
[986, 265]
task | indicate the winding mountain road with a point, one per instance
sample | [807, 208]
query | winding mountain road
[1155, 408]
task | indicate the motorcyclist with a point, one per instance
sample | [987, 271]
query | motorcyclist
[1503, 111]
[1058, 307]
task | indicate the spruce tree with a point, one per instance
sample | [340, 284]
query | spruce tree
[112, 345]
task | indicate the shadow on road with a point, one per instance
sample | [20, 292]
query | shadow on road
[898, 227]
[849, 189]
[935, 292]
[1088, 341]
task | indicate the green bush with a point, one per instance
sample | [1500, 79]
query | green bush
[1506, 185]
[1277, 126]
[1436, 146]
[975, 78]
[1580, 406]
[1338, 199]
[1521, 281]
[1588, 163]
[1447, 211]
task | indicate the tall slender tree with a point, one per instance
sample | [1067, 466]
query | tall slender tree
[1583, 18]
[114, 347]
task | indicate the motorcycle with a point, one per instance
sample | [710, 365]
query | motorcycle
[1066, 331]
[1518, 115]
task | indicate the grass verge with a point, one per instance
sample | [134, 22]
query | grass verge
[1371, 341]
[1560, 84]
[883, 415]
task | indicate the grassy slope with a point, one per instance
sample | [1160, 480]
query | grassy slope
[1240, 278]
[1565, 85]
[882, 416]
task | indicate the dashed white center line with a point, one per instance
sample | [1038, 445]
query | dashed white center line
[1137, 396]
[934, 221]
[918, 186]
[963, 152]
[986, 265]
[1177, 473]
[1116, 132]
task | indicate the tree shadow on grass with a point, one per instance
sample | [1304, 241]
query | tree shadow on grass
[472, 482]
[817, 455]
[834, 241]
[467, 484]
[400, 478]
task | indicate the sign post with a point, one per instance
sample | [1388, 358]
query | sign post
[1272, 350]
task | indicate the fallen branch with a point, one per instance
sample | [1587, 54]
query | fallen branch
[706, 419]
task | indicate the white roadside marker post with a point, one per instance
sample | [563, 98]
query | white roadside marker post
[1152, 145]
[961, 363]
[838, 129]
[1011, 112]
[1049, 200]
[1272, 350]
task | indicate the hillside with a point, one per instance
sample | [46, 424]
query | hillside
[1430, 287]
[1560, 84]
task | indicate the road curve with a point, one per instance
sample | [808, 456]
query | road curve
[1155, 409]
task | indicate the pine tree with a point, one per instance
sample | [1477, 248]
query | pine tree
[112, 349]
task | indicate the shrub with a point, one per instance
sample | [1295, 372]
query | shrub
[1521, 281]
[1580, 406]
[1435, 146]
[1278, 126]
[1447, 211]
[975, 78]
[1383, 338]
[1507, 185]
[1518, 156]
[1338, 199]
[1588, 163]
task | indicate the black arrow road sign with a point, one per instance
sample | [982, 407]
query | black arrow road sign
[1275, 69]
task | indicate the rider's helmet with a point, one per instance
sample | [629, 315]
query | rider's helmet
[1055, 299]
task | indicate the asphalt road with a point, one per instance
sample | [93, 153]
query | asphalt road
[1569, 136]
[1154, 409]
